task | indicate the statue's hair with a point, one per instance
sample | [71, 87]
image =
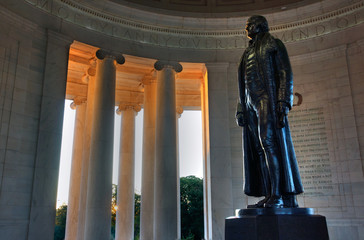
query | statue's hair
[260, 21]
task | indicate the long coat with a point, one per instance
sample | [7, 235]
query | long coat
[274, 70]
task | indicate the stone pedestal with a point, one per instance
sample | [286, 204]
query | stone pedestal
[276, 224]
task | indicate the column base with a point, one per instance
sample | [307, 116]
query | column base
[276, 224]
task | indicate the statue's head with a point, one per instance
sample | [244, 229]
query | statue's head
[256, 24]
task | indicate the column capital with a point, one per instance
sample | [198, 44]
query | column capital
[160, 65]
[77, 101]
[126, 106]
[91, 72]
[179, 111]
[101, 54]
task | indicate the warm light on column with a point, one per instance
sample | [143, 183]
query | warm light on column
[125, 191]
[76, 168]
[99, 189]
[166, 152]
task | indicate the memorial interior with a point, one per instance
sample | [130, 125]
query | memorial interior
[166, 56]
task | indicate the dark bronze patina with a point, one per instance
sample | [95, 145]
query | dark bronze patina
[265, 98]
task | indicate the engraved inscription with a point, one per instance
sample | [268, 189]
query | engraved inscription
[311, 146]
[194, 39]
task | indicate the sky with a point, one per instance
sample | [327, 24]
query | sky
[190, 148]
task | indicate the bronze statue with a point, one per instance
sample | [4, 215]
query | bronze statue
[265, 98]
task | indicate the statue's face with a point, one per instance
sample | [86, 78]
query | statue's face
[251, 29]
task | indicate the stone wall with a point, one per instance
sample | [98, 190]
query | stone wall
[22, 57]
[325, 136]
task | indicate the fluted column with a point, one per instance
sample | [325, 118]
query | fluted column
[125, 197]
[89, 78]
[148, 161]
[76, 168]
[166, 152]
[99, 189]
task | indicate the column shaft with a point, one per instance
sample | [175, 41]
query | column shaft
[86, 158]
[179, 220]
[147, 188]
[125, 202]
[76, 169]
[218, 181]
[99, 189]
[166, 157]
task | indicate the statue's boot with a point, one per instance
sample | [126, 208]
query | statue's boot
[274, 202]
[290, 201]
[259, 204]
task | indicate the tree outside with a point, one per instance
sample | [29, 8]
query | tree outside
[61, 216]
[191, 211]
[192, 218]
[60, 227]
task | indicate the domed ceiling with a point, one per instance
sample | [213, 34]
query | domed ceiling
[218, 6]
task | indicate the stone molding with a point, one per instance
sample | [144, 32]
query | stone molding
[217, 66]
[145, 26]
[199, 33]
[160, 65]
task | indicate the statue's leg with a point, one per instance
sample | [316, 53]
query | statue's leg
[263, 169]
[270, 146]
[290, 201]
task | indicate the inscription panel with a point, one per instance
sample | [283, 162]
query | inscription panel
[203, 38]
[311, 146]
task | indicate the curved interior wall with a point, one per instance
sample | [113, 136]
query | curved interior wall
[324, 41]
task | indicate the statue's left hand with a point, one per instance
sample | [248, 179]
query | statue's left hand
[282, 111]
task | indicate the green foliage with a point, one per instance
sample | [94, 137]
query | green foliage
[189, 237]
[137, 216]
[191, 208]
[113, 208]
[60, 228]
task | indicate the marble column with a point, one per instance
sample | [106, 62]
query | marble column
[166, 152]
[76, 168]
[148, 161]
[125, 191]
[46, 166]
[179, 111]
[218, 181]
[99, 188]
[89, 78]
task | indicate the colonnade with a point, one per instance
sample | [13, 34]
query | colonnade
[89, 208]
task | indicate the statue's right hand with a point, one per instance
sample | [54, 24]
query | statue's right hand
[240, 119]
